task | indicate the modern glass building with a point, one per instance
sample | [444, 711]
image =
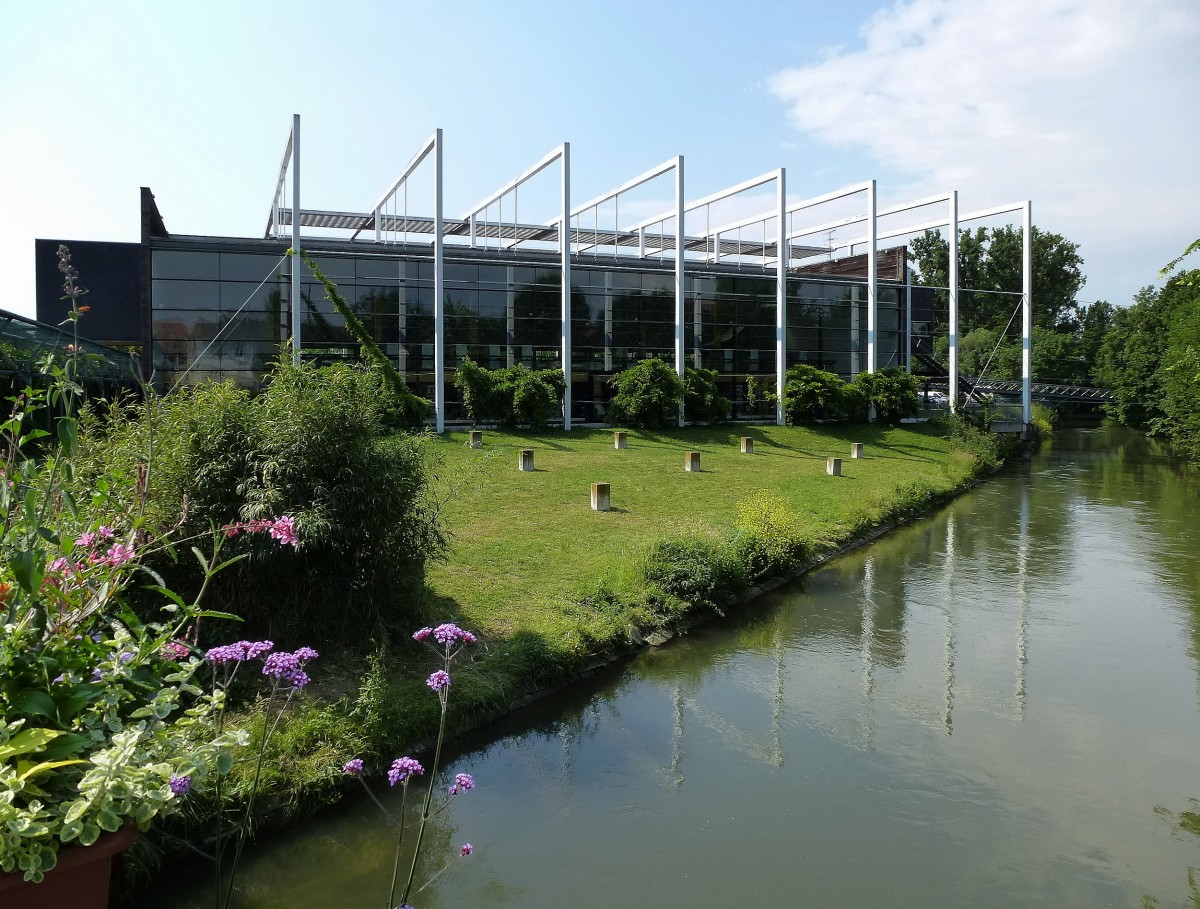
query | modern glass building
[747, 298]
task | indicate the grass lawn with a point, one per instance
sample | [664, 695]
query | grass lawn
[526, 545]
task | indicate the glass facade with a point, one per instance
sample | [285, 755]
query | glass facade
[223, 313]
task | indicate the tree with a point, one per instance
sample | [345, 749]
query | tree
[991, 261]
[1137, 344]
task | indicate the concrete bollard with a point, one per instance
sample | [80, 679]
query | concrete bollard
[477, 438]
[857, 450]
[691, 461]
[620, 440]
[601, 497]
[833, 467]
[747, 445]
[525, 459]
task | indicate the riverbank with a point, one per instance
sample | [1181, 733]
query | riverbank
[555, 589]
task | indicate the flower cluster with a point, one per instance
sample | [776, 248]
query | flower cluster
[403, 769]
[447, 635]
[439, 680]
[174, 651]
[283, 529]
[288, 667]
[239, 652]
[462, 783]
[353, 767]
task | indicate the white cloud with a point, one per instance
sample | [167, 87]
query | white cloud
[1087, 107]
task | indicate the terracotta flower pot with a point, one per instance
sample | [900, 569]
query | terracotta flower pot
[84, 878]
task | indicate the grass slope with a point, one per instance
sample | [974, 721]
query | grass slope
[526, 546]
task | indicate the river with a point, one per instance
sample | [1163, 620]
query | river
[997, 706]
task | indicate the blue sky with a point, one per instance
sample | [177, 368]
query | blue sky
[1087, 107]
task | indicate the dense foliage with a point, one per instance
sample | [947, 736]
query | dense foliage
[314, 444]
[811, 394]
[991, 260]
[702, 401]
[1150, 358]
[893, 393]
[648, 395]
[1066, 334]
[515, 397]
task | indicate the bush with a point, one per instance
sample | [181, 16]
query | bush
[697, 570]
[760, 400]
[313, 445]
[516, 396]
[649, 395]
[702, 402]
[811, 394]
[768, 538]
[893, 393]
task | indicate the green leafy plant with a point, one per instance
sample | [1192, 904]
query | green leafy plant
[894, 394]
[648, 395]
[702, 401]
[811, 395]
[516, 396]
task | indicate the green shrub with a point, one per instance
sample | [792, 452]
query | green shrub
[702, 402]
[697, 570]
[894, 393]
[769, 537]
[649, 395]
[811, 394]
[314, 445]
[515, 397]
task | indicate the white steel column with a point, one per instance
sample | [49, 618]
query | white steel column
[872, 284]
[952, 290]
[781, 266]
[297, 315]
[680, 365]
[1027, 313]
[564, 248]
[439, 331]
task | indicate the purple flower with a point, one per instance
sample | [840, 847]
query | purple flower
[97, 675]
[353, 767]
[125, 656]
[403, 769]
[256, 649]
[422, 634]
[281, 665]
[464, 782]
[300, 678]
[466, 849]
[304, 654]
[448, 634]
[105, 532]
[438, 680]
[226, 653]
[181, 785]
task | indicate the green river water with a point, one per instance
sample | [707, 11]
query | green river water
[998, 706]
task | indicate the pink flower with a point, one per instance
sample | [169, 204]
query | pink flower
[174, 651]
[438, 680]
[86, 539]
[119, 555]
[284, 530]
[466, 849]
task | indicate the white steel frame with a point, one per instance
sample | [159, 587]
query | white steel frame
[563, 154]
[677, 213]
[433, 145]
[570, 240]
[291, 156]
